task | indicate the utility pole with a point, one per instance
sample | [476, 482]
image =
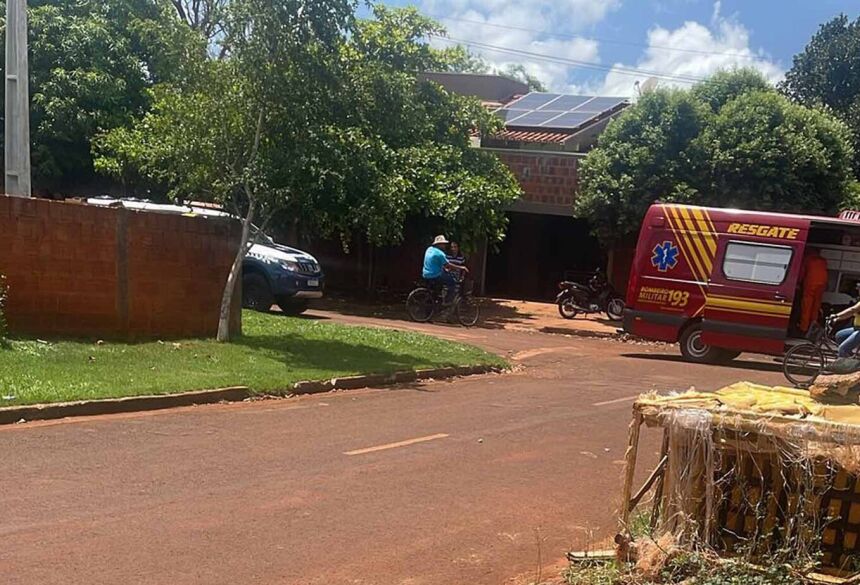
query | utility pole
[17, 146]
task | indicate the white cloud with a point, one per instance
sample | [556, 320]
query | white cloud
[694, 51]
[559, 28]
[503, 23]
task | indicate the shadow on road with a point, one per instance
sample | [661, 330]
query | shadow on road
[495, 314]
[326, 355]
[579, 332]
[736, 364]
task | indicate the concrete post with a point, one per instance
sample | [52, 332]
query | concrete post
[17, 145]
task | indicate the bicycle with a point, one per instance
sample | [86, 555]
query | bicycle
[424, 303]
[803, 363]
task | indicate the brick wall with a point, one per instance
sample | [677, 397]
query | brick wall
[545, 178]
[88, 271]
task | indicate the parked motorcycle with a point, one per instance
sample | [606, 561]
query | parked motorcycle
[596, 296]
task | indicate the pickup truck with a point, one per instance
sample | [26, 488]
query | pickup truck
[276, 274]
[271, 273]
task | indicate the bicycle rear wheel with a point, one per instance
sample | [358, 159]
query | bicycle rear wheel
[802, 364]
[468, 311]
[420, 306]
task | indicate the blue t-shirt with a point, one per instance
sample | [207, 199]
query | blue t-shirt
[434, 262]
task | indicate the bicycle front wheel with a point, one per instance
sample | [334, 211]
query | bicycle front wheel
[468, 311]
[420, 305]
[802, 364]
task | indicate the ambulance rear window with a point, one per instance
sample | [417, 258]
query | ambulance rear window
[758, 263]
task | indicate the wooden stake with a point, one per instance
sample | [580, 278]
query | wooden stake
[630, 469]
[661, 482]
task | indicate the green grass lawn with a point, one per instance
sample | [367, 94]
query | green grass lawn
[275, 352]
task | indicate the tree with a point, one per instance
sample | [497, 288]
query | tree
[763, 152]
[235, 133]
[827, 72]
[730, 141]
[319, 117]
[409, 143]
[645, 155]
[91, 64]
[724, 86]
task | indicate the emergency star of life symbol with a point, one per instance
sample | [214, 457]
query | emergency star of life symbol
[665, 256]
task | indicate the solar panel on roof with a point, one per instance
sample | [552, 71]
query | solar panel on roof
[599, 104]
[559, 111]
[571, 120]
[566, 103]
[535, 118]
[533, 101]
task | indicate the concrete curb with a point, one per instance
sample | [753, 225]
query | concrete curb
[15, 414]
[371, 380]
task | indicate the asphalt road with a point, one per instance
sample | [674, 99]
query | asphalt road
[436, 483]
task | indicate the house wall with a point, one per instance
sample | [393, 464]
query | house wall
[547, 179]
[87, 271]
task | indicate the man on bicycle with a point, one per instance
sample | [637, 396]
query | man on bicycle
[848, 338]
[438, 271]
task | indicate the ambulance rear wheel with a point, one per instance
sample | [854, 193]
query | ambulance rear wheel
[694, 349]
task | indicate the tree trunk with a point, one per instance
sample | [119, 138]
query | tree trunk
[224, 331]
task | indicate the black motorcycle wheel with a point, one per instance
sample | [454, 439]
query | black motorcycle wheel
[567, 309]
[615, 309]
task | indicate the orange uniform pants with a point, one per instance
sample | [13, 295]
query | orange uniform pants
[810, 305]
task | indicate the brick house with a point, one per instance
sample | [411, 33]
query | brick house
[545, 138]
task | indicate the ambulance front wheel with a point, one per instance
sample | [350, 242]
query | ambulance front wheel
[694, 349]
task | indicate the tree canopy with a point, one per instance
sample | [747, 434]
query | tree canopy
[827, 73]
[729, 141]
[91, 65]
[350, 142]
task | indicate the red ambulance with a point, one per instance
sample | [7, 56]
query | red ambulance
[723, 281]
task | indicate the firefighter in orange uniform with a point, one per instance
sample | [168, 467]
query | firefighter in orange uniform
[814, 284]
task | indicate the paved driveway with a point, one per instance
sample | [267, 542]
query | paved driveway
[436, 483]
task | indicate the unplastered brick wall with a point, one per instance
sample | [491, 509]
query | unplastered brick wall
[86, 271]
[545, 178]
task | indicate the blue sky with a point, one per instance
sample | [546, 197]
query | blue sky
[630, 40]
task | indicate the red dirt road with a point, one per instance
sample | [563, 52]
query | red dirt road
[440, 483]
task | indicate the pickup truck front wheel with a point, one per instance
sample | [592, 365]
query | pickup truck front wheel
[256, 294]
[292, 306]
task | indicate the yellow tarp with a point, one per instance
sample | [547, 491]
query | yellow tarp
[758, 399]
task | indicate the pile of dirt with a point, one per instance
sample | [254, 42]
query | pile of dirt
[837, 389]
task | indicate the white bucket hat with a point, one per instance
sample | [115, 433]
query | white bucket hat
[440, 240]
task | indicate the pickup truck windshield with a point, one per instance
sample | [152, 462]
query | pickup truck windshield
[260, 237]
